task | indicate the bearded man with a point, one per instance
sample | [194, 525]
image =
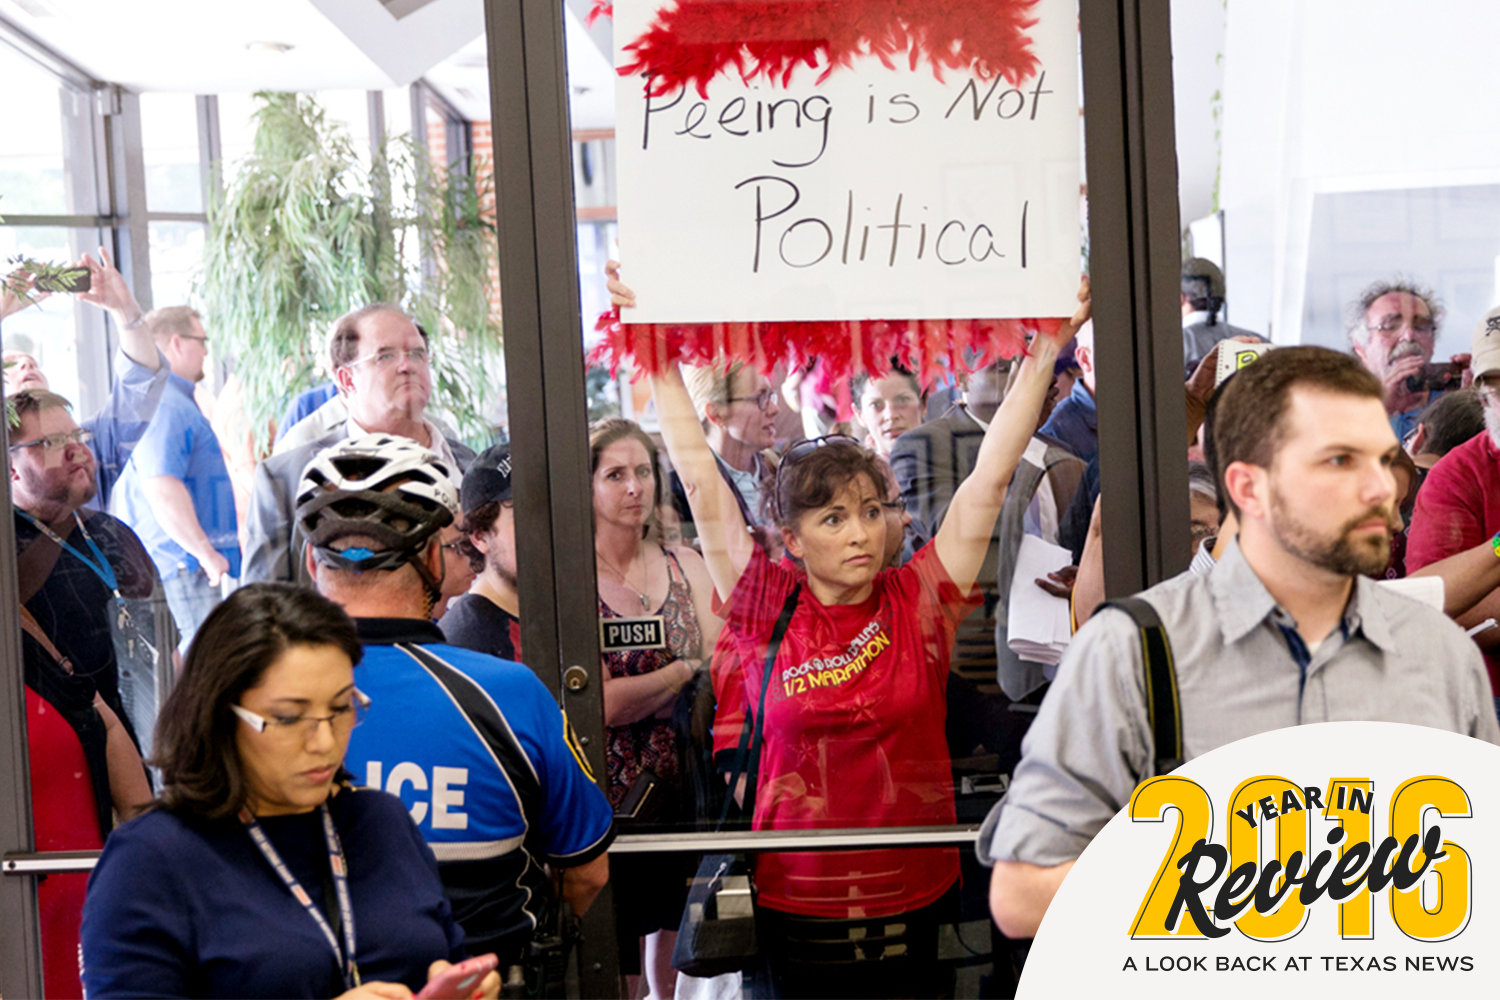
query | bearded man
[83, 575]
[1287, 629]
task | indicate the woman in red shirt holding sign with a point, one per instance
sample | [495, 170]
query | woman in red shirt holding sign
[853, 733]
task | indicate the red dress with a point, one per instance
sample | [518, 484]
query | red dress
[854, 731]
[65, 816]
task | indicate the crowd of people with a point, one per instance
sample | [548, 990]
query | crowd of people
[830, 617]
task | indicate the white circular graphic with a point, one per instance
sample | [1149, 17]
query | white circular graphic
[1348, 807]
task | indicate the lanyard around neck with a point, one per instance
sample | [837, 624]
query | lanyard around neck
[348, 968]
[102, 569]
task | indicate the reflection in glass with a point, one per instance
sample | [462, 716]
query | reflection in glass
[170, 150]
[176, 256]
[32, 162]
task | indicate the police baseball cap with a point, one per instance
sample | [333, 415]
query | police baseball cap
[1487, 344]
[488, 479]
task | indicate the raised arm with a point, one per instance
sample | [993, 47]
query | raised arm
[108, 291]
[962, 539]
[726, 540]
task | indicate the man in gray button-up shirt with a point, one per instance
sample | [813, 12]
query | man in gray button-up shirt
[1284, 631]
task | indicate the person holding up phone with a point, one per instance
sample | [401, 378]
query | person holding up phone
[1393, 328]
[140, 370]
[204, 895]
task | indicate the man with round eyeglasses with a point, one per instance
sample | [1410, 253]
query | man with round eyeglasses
[381, 363]
[1393, 328]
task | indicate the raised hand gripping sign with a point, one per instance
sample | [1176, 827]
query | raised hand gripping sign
[848, 159]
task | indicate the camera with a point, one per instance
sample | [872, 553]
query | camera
[1437, 377]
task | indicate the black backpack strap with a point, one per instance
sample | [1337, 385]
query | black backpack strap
[484, 715]
[747, 756]
[1163, 707]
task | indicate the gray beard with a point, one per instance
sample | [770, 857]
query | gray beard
[1492, 422]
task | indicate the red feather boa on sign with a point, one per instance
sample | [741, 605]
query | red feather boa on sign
[695, 41]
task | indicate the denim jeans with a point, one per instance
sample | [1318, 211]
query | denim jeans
[191, 597]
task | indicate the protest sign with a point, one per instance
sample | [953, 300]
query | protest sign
[893, 187]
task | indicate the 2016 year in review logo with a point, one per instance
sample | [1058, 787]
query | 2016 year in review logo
[1320, 852]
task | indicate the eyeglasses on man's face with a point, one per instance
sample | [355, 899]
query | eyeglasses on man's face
[292, 727]
[762, 399]
[389, 357]
[1394, 324]
[53, 442]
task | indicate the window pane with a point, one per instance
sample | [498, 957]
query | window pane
[176, 256]
[169, 135]
[32, 116]
[49, 331]
[893, 699]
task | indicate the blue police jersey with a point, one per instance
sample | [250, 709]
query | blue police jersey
[482, 757]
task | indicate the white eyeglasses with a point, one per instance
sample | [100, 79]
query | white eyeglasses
[342, 720]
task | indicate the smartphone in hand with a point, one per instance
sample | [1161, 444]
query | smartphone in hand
[460, 981]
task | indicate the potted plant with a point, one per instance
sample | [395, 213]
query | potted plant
[305, 231]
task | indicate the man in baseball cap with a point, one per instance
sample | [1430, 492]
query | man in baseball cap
[1202, 301]
[1455, 529]
[486, 619]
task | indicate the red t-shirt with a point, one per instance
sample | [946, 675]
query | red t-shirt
[1457, 508]
[853, 734]
[65, 818]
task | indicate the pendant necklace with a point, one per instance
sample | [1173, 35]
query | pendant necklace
[645, 600]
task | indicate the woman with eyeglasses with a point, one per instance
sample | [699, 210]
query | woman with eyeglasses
[854, 706]
[260, 872]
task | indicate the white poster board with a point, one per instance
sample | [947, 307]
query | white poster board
[879, 193]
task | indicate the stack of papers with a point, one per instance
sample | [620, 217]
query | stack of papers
[1040, 627]
[1427, 589]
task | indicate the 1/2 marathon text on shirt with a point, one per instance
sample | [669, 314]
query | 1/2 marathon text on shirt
[831, 671]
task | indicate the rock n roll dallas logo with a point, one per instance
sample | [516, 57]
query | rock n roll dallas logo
[1351, 854]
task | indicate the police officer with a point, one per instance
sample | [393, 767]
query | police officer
[474, 745]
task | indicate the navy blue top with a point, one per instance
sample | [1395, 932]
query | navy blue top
[1075, 422]
[184, 907]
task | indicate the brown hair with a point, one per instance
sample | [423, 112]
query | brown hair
[1250, 414]
[195, 733]
[603, 433]
[863, 379]
[1453, 419]
[343, 343]
[812, 480]
[32, 401]
[479, 521]
[171, 321]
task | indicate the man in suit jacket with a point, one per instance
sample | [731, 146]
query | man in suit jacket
[930, 461]
[383, 370]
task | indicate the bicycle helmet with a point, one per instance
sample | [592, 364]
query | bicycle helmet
[381, 486]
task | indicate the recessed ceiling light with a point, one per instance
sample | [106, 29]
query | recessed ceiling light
[280, 48]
